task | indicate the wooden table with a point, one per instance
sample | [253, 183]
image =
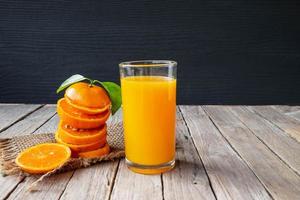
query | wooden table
[223, 152]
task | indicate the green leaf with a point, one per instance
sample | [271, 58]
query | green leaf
[73, 79]
[114, 92]
[113, 89]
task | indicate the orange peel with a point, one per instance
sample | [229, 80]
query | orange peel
[95, 153]
[78, 119]
[80, 136]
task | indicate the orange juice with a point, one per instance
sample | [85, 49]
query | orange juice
[149, 110]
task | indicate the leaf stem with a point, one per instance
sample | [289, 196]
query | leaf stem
[91, 82]
[96, 81]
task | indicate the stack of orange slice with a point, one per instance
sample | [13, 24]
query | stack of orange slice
[83, 113]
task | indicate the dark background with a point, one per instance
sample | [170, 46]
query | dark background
[229, 52]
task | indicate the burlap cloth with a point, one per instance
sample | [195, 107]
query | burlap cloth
[11, 147]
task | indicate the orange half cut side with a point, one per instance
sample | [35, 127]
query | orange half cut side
[43, 158]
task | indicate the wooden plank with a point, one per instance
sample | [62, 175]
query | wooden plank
[70, 184]
[49, 127]
[281, 181]
[287, 109]
[31, 123]
[292, 111]
[95, 182]
[25, 126]
[284, 146]
[91, 183]
[188, 180]
[230, 176]
[49, 188]
[286, 123]
[133, 186]
[11, 113]
[295, 115]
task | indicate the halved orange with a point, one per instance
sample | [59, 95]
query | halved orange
[78, 119]
[76, 148]
[80, 136]
[95, 153]
[88, 97]
[43, 158]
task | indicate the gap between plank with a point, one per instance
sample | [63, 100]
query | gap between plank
[188, 128]
[274, 123]
[162, 187]
[110, 181]
[114, 179]
[263, 141]
[22, 118]
[237, 152]
[63, 191]
[43, 123]
[23, 178]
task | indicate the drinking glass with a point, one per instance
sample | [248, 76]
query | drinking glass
[149, 114]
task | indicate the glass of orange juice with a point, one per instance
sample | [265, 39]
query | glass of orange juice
[149, 111]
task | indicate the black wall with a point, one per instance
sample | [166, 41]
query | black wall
[229, 52]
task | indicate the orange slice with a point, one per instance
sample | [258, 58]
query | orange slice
[96, 153]
[80, 136]
[80, 120]
[76, 148]
[87, 110]
[43, 158]
[86, 95]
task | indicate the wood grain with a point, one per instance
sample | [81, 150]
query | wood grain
[230, 176]
[11, 113]
[188, 180]
[133, 186]
[26, 126]
[287, 109]
[242, 152]
[50, 188]
[91, 183]
[50, 126]
[286, 123]
[95, 182]
[284, 146]
[295, 115]
[281, 181]
[292, 111]
[31, 123]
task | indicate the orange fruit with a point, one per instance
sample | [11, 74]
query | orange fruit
[91, 99]
[76, 148]
[95, 153]
[80, 136]
[78, 119]
[43, 158]
[90, 111]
